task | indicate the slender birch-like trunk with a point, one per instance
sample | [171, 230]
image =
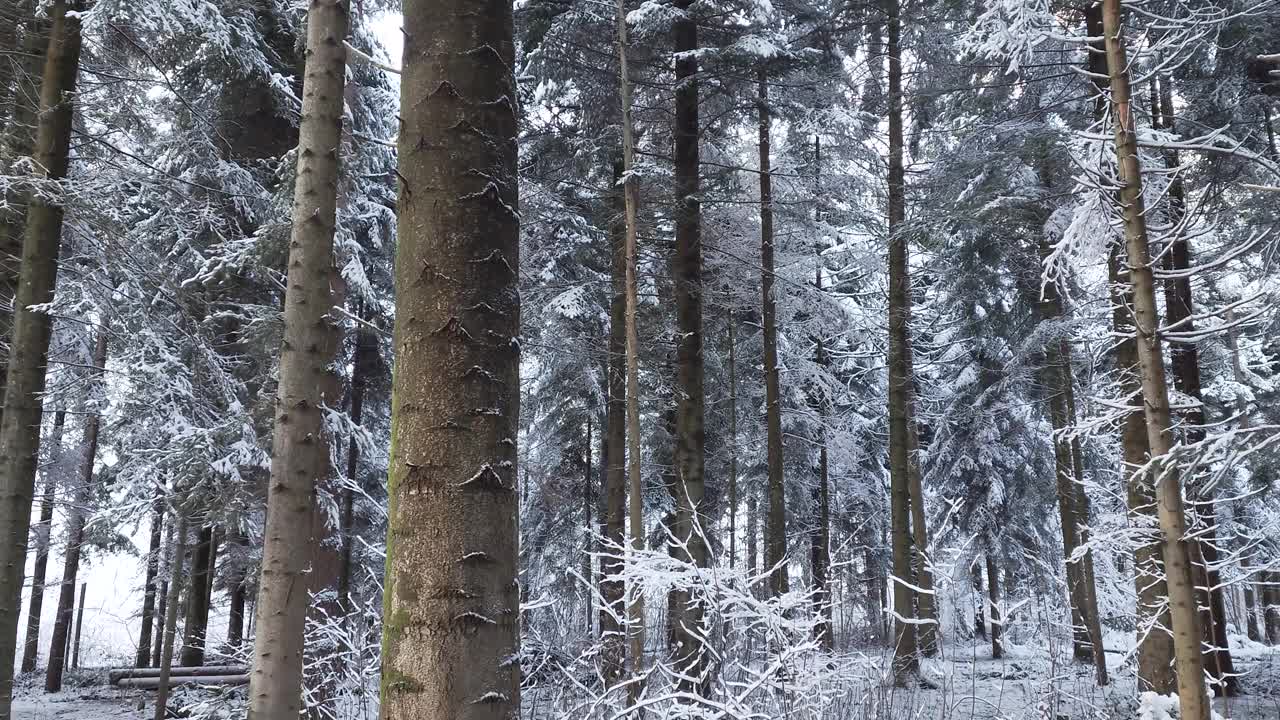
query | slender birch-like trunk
[143, 658]
[906, 659]
[733, 440]
[451, 603]
[635, 497]
[993, 598]
[29, 341]
[77, 514]
[165, 661]
[1189, 662]
[1184, 363]
[776, 517]
[42, 532]
[300, 452]
[613, 610]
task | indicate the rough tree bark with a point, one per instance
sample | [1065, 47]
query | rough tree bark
[143, 658]
[451, 597]
[776, 517]
[300, 451]
[1189, 662]
[77, 514]
[906, 660]
[41, 533]
[686, 269]
[29, 341]
[615, 440]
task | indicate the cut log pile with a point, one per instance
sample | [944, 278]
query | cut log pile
[149, 678]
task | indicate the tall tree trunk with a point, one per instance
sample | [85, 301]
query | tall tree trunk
[979, 618]
[993, 597]
[143, 658]
[42, 532]
[17, 141]
[1252, 589]
[612, 619]
[1086, 627]
[12, 20]
[926, 604]
[363, 357]
[300, 451]
[820, 538]
[196, 622]
[1184, 363]
[165, 661]
[906, 660]
[29, 342]
[777, 514]
[75, 655]
[1271, 606]
[1155, 644]
[451, 597]
[237, 595]
[588, 528]
[1155, 393]
[635, 494]
[163, 592]
[733, 440]
[691, 658]
[77, 514]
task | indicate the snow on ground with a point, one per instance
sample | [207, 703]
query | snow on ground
[1028, 684]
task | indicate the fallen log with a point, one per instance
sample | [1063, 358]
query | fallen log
[151, 683]
[118, 674]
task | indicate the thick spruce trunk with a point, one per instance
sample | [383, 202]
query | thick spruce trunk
[41, 534]
[612, 612]
[300, 450]
[906, 659]
[776, 517]
[1193, 699]
[451, 599]
[690, 657]
[29, 341]
[77, 514]
[143, 658]
[19, 116]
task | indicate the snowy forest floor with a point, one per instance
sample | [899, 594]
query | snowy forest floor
[1029, 683]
